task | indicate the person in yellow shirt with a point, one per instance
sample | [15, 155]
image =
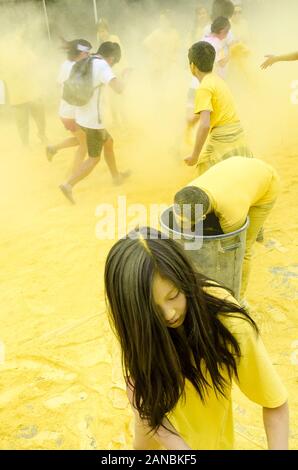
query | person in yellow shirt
[184, 342]
[23, 87]
[103, 33]
[234, 189]
[219, 134]
[162, 49]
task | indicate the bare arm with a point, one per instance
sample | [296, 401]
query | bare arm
[272, 59]
[276, 423]
[144, 439]
[223, 62]
[202, 134]
[117, 85]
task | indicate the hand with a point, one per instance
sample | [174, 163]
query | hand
[271, 59]
[126, 72]
[191, 161]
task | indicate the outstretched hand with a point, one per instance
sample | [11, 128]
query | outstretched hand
[271, 59]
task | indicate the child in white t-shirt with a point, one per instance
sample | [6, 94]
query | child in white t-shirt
[76, 50]
[88, 118]
[220, 29]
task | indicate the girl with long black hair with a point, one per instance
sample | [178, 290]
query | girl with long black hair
[184, 340]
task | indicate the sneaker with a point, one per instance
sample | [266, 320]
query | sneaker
[67, 191]
[118, 180]
[50, 152]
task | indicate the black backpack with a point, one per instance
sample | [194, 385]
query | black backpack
[78, 88]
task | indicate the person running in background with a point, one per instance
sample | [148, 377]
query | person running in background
[185, 340]
[239, 25]
[162, 47]
[224, 8]
[115, 103]
[75, 50]
[273, 59]
[219, 133]
[103, 33]
[20, 70]
[201, 20]
[220, 29]
[240, 49]
[89, 118]
[234, 189]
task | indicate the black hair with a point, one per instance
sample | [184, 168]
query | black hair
[192, 195]
[156, 359]
[110, 49]
[202, 55]
[71, 47]
[219, 24]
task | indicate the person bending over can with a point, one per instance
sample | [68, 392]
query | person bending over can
[234, 189]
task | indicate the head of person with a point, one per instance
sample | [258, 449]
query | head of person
[165, 20]
[237, 13]
[221, 27]
[110, 51]
[186, 202]
[77, 49]
[103, 32]
[201, 57]
[222, 8]
[202, 16]
[160, 310]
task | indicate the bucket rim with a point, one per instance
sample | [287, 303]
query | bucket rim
[206, 238]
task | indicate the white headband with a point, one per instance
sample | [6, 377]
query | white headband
[82, 48]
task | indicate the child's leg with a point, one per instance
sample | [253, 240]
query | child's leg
[110, 157]
[257, 217]
[37, 112]
[81, 151]
[22, 121]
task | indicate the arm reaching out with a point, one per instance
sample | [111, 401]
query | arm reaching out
[276, 423]
[117, 85]
[272, 59]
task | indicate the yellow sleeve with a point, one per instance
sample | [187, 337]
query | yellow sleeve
[228, 227]
[257, 378]
[203, 100]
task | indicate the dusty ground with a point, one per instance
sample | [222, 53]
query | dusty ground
[60, 381]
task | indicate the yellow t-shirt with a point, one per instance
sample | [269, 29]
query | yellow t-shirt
[214, 95]
[236, 184]
[209, 426]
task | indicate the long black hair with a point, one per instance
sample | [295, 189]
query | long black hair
[156, 360]
[72, 48]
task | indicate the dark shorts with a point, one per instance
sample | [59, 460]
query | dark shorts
[95, 140]
[69, 124]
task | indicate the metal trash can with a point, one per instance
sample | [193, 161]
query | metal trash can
[221, 254]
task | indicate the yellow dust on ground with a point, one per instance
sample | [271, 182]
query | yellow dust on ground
[60, 380]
